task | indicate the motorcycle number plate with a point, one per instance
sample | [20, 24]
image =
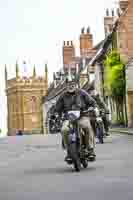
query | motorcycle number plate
[72, 137]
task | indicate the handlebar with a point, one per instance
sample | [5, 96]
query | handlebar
[90, 109]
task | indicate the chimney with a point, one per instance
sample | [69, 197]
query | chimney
[123, 4]
[118, 12]
[86, 41]
[113, 13]
[68, 53]
[67, 43]
[108, 22]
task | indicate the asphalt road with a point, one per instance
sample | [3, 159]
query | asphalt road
[32, 168]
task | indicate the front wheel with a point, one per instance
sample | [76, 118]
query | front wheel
[77, 165]
[85, 163]
[74, 154]
[100, 133]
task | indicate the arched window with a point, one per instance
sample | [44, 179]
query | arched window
[33, 104]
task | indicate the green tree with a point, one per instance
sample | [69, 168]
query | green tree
[115, 84]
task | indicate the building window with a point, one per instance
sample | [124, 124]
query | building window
[33, 104]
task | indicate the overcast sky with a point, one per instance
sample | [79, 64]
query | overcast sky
[34, 30]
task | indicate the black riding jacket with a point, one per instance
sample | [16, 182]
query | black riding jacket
[79, 100]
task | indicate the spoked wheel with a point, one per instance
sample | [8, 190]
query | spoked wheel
[84, 157]
[92, 159]
[77, 165]
[100, 133]
[85, 163]
[73, 152]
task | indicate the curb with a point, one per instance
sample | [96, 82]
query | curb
[121, 131]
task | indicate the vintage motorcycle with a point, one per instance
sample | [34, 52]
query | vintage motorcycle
[75, 147]
[99, 127]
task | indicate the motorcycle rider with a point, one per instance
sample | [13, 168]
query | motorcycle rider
[102, 106]
[76, 99]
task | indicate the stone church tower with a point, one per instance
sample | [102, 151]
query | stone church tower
[24, 102]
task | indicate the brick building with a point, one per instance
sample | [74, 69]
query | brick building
[122, 27]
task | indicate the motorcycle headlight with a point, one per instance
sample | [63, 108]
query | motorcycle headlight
[97, 111]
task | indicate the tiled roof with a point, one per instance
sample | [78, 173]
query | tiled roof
[88, 86]
[97, 46]
[55, 91]
[101, 52]
[105, 44]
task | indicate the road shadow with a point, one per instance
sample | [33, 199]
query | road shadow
[56, 170]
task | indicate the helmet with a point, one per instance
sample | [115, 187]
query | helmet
[71, 83]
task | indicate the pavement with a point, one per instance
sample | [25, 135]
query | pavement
[128, 131]
[33, 168]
